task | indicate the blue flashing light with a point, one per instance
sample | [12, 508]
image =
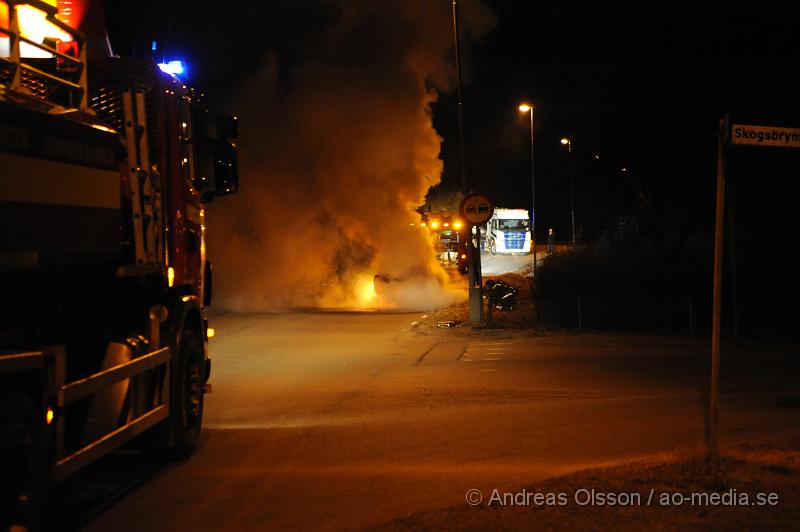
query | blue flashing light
[154, 46]
[176, 68]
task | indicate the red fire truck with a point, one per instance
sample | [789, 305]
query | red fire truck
[104, 279]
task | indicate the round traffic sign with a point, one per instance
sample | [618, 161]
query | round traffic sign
[476, 208]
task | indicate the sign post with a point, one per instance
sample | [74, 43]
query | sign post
[730, 135]
[476, 209]
[713, 418]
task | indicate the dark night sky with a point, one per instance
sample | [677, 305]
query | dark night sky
[644, 88]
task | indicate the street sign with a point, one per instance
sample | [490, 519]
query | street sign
[743, 135]
[785, 137]
[476, 208]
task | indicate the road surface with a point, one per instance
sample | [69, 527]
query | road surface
[505, 263]
[350, 420]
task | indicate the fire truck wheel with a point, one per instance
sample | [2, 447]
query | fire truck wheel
[22, 464]
[188, 398]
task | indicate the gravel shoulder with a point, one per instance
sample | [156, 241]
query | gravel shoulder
[757, 487]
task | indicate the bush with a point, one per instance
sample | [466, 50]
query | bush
[624, 289]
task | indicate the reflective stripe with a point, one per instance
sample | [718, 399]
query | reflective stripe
[29, 180]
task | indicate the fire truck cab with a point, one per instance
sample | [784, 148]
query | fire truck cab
[508, 231]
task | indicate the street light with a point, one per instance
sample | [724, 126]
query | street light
[525, 108]
[473, 254]
[568, 143]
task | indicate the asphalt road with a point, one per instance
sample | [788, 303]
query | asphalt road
[506, 263]
[348, 420]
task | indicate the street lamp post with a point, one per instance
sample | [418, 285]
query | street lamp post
[525, 108]
[473, 252]
[568, 143]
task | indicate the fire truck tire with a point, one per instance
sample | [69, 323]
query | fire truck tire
[176, 438]
[188, 397]
[22, 464]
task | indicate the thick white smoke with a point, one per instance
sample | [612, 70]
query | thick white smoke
[334, 159]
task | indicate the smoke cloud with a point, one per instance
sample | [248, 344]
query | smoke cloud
[336, 153]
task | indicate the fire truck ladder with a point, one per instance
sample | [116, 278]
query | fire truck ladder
[146, 197]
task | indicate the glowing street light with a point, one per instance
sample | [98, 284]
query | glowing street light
[566, 141]
[528, 108]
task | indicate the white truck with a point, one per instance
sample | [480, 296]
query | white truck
[509, 231]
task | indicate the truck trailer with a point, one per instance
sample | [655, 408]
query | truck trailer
[104, 170]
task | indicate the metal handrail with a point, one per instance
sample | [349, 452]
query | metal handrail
[15, 58]
[84, 456]
[20, 361]
[69, 393]
[50, 11]
[50, 50]
[51, 77]
[41, 5]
